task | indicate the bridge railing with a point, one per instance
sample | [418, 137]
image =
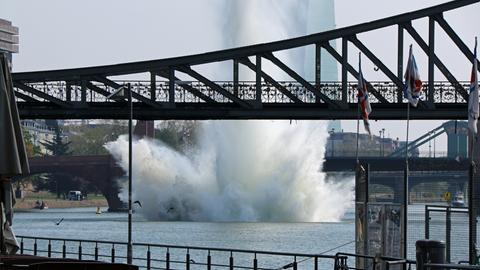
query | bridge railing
[156, 256]
[97, 92]
[379, 154]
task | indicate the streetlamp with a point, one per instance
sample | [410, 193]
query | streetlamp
[383, 142]
[119, 94]
[430, 147]
[380, 143]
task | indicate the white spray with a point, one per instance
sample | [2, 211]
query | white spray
[242, 170]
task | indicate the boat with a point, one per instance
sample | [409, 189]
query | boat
[458, 200]
[41, 206]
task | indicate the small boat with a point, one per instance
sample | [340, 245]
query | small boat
[41, 206]
[458, 200]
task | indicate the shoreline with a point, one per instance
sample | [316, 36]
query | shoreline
[29, 204]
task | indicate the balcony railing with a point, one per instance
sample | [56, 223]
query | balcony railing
[155, 256]
[444, 91]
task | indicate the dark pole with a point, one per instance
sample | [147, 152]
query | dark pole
[448, 233]
[2, 222]
[405, 210]
[365, 221]
[333, 143]
[383, 142]
[405, 189]
[430, 148]
[129, 246]
[472, 233]
[380, 145]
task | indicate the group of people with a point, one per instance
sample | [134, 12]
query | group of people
[41, 205]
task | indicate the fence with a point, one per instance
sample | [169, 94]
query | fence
[155, 256]
[173, 257]
[449, 223]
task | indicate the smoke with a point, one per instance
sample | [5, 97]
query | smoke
[241, 171]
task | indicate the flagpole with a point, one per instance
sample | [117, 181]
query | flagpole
[358, 132]
[472, 220]
[358, 104]
[405, 178]
[405, 188]
[472, 105]
[408, 125]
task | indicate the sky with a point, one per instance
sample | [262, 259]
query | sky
[57, 34]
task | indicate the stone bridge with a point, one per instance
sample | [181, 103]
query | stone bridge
[389, 172]
[100, 170]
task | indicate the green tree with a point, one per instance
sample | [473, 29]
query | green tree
[89, 140]
[57, 147]
[32, 149]
[57, 183]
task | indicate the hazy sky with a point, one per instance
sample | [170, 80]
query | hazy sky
[56, 34]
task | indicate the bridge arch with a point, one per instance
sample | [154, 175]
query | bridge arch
[101, 171]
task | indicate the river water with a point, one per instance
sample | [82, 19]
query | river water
[313, 237]
[83, 223]
[289, 237]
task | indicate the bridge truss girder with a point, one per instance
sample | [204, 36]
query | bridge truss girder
[83, 92]
[202, 111]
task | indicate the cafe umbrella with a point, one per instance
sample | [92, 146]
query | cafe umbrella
[13, 157]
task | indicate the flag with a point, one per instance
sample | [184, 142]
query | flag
[362, 96]
[413, 84]
[473, 110]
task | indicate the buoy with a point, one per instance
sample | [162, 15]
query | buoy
[98, 210]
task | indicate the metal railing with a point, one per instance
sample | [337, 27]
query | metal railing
[445, 92]
[373, 262]
[405, 264]
[172, 257]
[452, 223]
[375, 153]
[436, 266]
[158, 256]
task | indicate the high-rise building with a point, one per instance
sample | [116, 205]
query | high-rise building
[320, 18]
[8, 38]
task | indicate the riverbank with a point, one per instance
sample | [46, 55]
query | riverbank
[30, 200]
[53, 203]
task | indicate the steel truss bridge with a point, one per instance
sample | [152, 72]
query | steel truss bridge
[82, 92]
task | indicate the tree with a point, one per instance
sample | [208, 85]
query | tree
[55, 182]
[32, 149]
[89, 140]
[57, 147]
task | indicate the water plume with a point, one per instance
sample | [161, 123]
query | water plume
[244, 170]
[240, 171]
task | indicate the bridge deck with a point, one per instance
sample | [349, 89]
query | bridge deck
[83, 92]
[338, 164]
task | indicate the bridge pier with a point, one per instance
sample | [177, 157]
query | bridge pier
[102, 171]
[453, 188]
[144, 129]
[114, 202]
[398, 192]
